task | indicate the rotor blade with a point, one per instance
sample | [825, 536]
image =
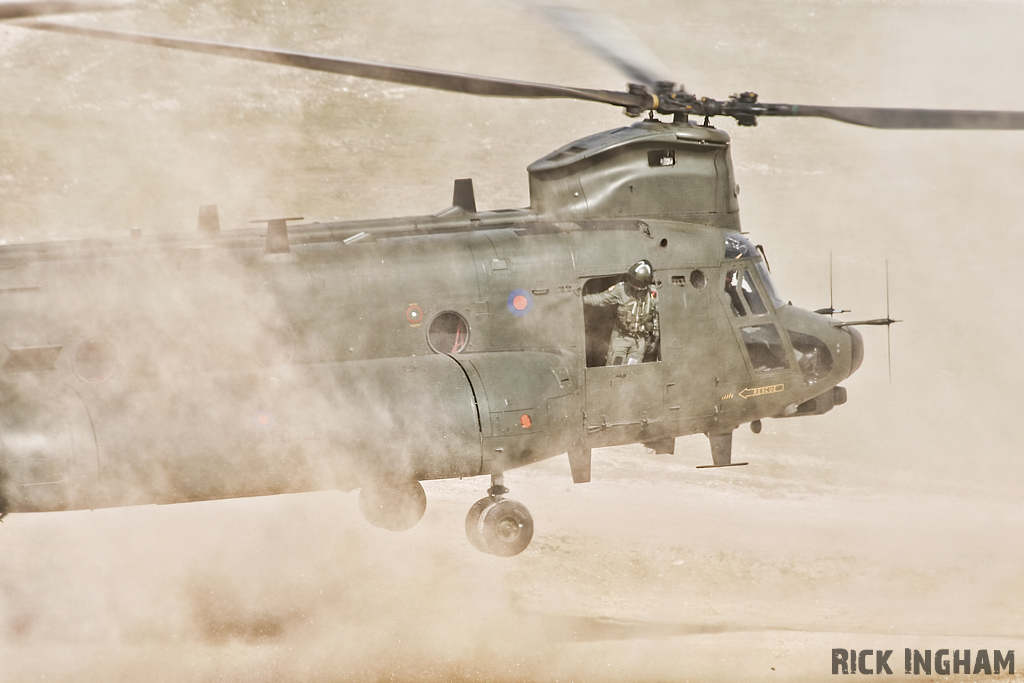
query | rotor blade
[14, 9]
[611, 41]
[883, 117]
[406, 75]
[873, 321]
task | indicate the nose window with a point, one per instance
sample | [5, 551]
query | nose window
[812, 356]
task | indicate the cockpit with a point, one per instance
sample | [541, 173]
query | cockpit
[739, 248]
[761, 337]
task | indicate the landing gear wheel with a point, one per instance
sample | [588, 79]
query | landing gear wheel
[395, 507]
[499, 526]
[473, 523]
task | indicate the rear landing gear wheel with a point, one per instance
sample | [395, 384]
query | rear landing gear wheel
[395, 507]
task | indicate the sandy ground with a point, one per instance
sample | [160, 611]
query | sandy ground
[892, 522]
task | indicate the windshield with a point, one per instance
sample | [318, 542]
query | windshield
[739, 247]
[769, 285]
[741, 281]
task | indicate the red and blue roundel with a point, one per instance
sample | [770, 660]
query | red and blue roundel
[264, 419]
[520, 302]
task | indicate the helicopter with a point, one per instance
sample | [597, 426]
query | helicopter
[484, 356]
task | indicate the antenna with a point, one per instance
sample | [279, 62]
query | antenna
[888, 328]
[831, 310]
[887, 321]
[831, 303]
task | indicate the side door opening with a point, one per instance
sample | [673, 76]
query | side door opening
[625, 390]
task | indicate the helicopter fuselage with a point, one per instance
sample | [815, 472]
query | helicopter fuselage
[172, 368]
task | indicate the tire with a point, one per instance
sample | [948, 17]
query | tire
[395, 507]
[506, 528]
[473, 524]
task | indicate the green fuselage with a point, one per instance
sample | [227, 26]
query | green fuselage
[218, 364]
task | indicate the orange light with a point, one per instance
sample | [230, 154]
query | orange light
[525, 421]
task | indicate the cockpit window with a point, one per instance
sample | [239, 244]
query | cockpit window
[754, 301]
[769, 285]
[764, 345]
[737, 246]
[732, 287]
[812, 356]
[739, 282]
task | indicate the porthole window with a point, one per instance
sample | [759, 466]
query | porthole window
[275, 345]
[698, 280]
[94, 360]
[448, 332]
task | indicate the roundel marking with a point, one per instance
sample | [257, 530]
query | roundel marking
[414, 314]
[264, 419]
[520, 302]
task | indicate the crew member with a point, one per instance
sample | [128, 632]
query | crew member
[635, 335]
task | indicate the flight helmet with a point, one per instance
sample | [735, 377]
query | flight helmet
[640, 275]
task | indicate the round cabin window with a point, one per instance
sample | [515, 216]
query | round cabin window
[94, 360]
[448, 332]
[698, 280]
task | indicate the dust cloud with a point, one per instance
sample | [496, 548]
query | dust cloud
[892, 522]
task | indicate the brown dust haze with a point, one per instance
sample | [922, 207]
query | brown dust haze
[892, 522]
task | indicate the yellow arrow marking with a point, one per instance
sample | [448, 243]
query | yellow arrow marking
[761, 391]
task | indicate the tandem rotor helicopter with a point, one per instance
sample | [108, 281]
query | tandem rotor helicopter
[500, 336]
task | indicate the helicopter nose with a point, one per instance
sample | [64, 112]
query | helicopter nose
[856, 349]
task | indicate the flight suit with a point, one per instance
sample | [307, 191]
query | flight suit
[636, 322]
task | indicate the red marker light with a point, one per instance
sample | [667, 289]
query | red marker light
[525, 421]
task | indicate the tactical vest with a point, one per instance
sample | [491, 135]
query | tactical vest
[634, 315]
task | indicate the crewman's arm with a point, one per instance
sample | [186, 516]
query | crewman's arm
[606, 298]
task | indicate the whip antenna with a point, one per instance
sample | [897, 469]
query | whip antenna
[888, 328]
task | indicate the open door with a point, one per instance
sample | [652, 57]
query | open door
[625, 391]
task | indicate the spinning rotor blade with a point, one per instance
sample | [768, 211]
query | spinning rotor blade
[611, 41]
[884, 117]
[14, 9]
[406, 75]
[663, 97]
